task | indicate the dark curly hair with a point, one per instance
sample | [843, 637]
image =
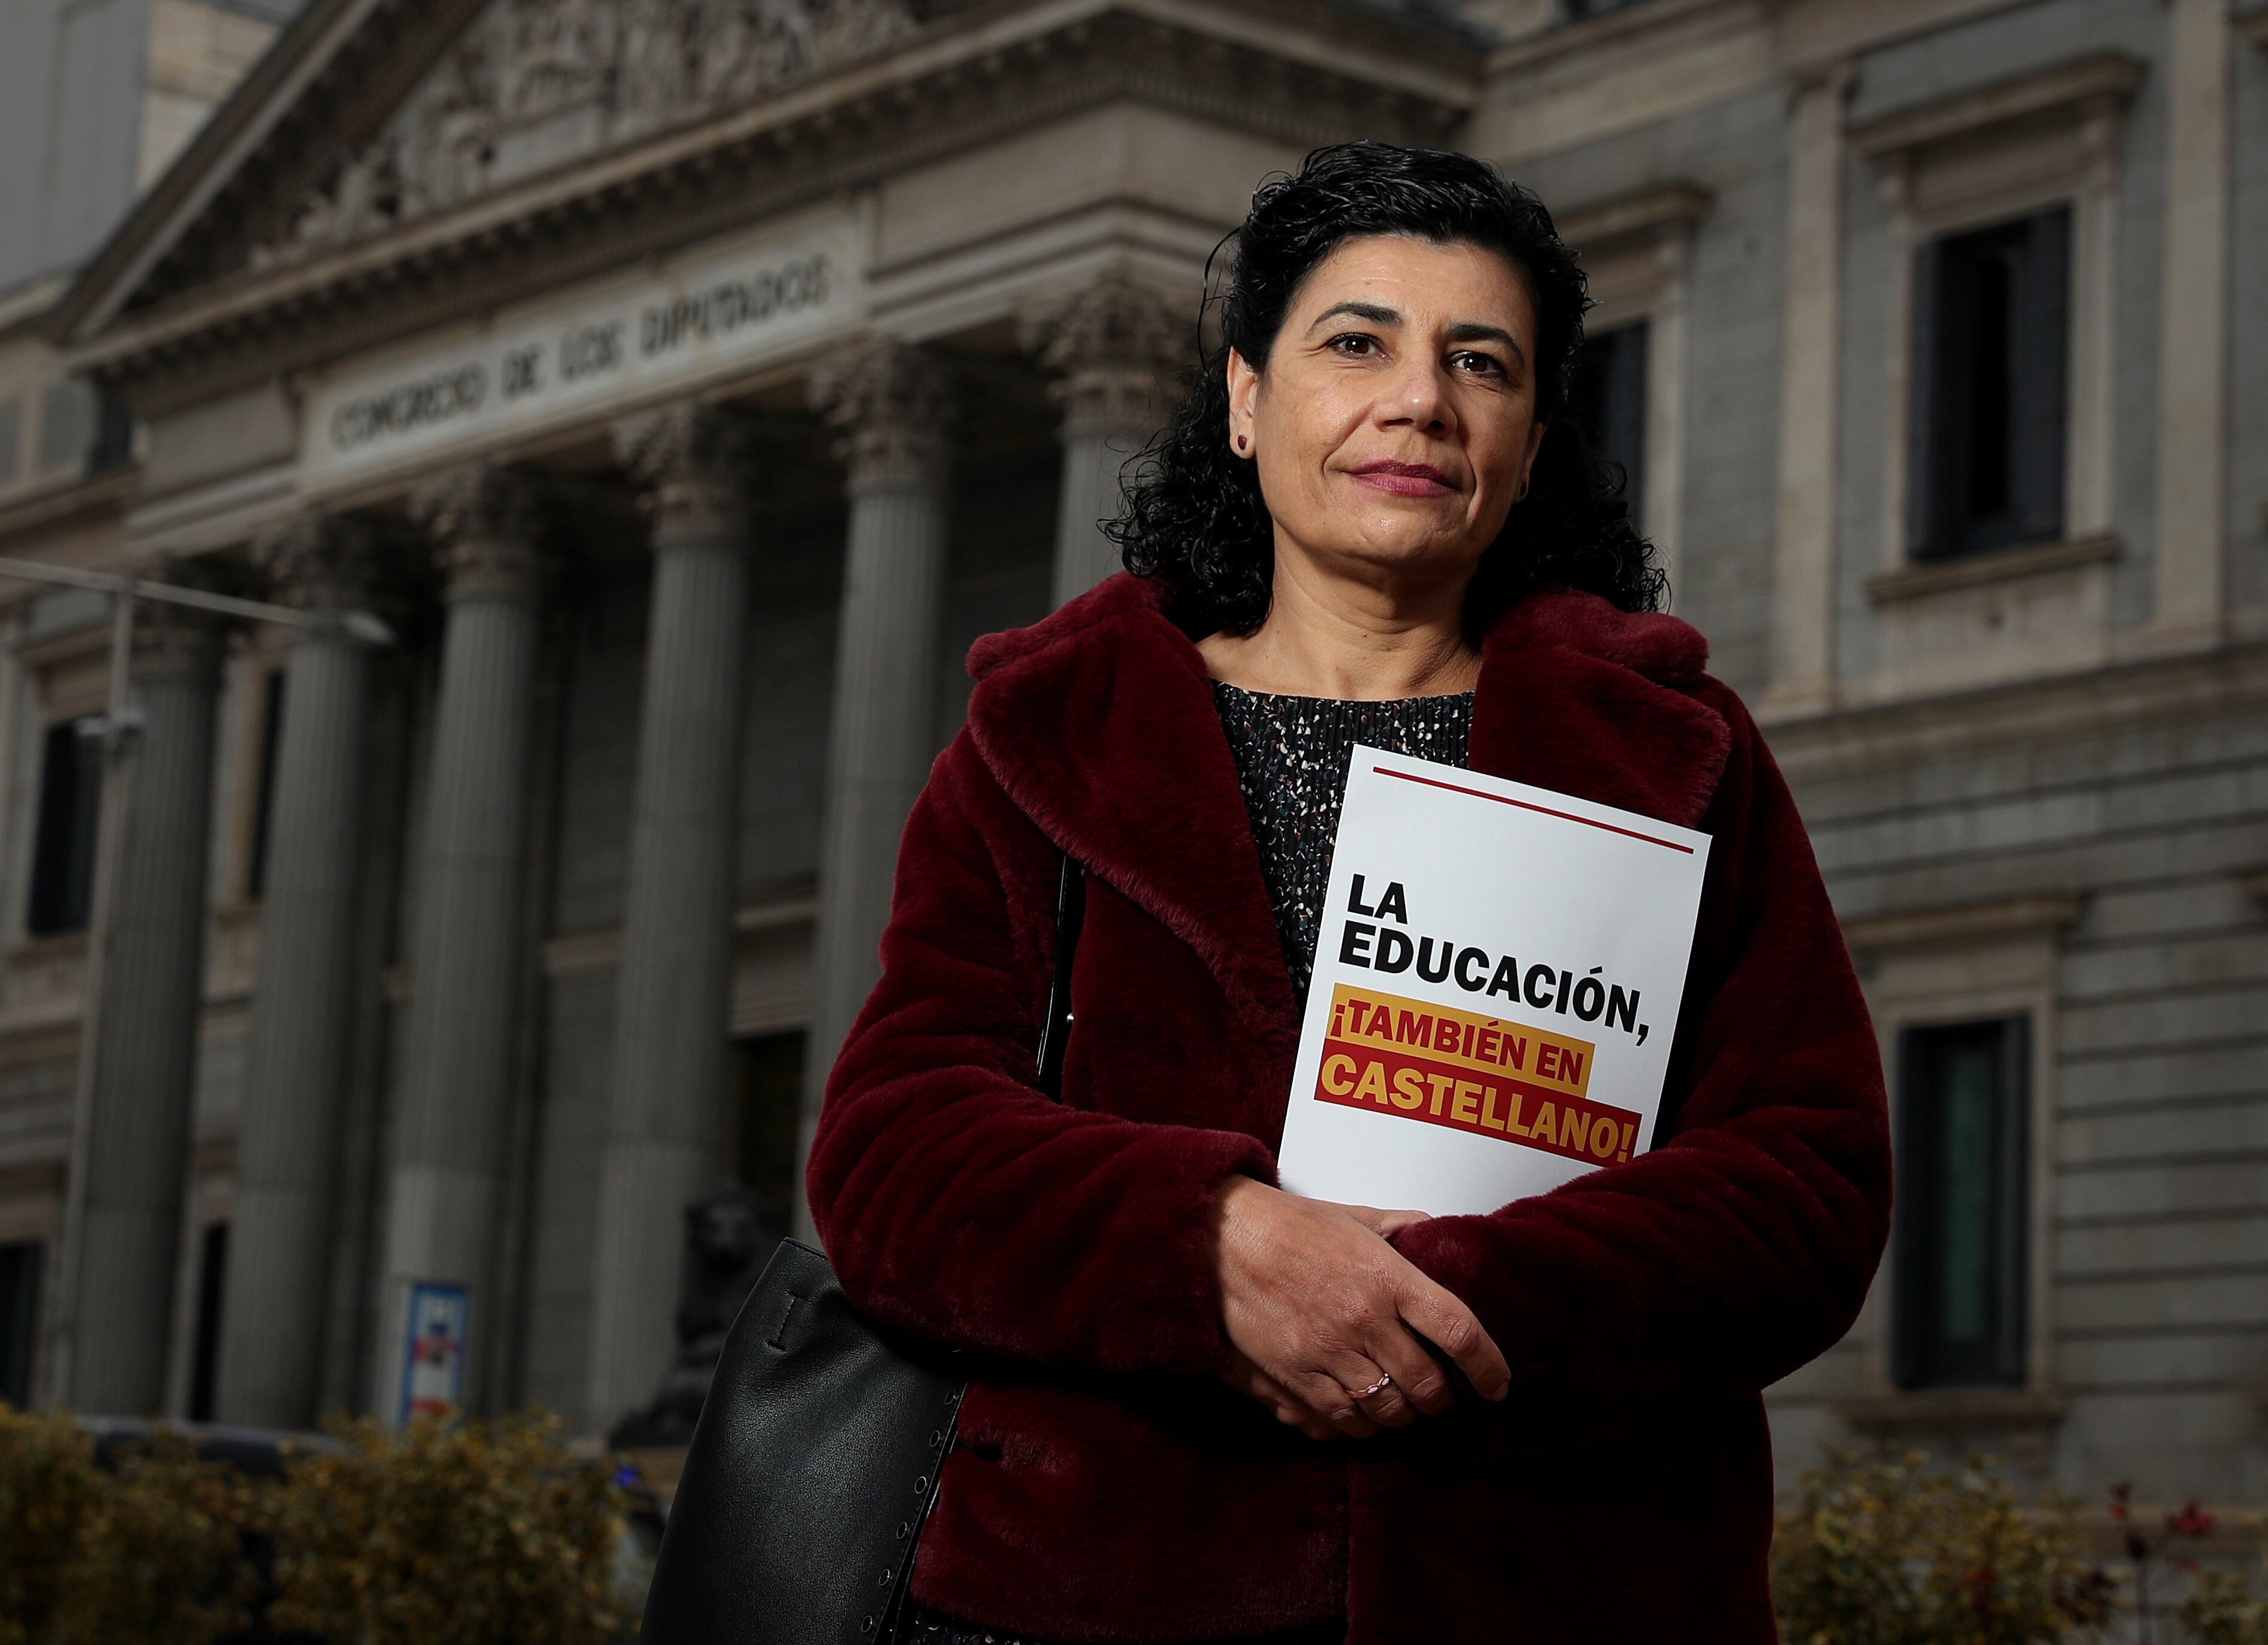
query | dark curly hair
[1193, 517]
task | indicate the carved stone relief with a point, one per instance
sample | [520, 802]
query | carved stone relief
[535, 83]
[689, 463]
[322, 561]
[486, 522]
[1111, 350]
[889, 405]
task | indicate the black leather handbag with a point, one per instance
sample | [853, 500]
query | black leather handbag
[815, 1461]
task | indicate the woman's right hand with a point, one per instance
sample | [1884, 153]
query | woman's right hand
[1316, 1304]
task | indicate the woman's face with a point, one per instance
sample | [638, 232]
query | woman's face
[1396, 422]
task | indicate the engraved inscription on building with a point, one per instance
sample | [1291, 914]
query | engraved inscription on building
[733, 307]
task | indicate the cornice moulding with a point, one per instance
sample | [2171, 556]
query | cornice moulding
[1814, 32]
[200, 516]
[1645, 65]
[1437, 63]
[27, 306]
[2000, 565]
[1613, 34]
[1672, 206]
[67, 498]
[2108, 77]
[2097, 702]
[1963, 922]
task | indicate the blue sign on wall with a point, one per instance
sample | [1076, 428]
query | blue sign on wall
[433, 1380]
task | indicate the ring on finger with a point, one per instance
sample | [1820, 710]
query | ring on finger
[1385, 1381]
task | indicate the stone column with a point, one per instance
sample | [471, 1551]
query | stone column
[673, 987]
[144, 1087]
[888, 406]
[287, 1138]
[1810, 385]
[1111, 346]
[453, 1097]
[2193, 513]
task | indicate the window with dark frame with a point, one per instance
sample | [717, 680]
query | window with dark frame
[1958, 1304]
[20, 1317]
[204, 1353]
[1989, 391]
[62, 840]
[263, 807]
[1607, 398]
[113, 444]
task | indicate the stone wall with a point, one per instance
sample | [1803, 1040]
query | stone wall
[2157, 1062]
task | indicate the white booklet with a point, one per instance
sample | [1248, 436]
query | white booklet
[1496, 982]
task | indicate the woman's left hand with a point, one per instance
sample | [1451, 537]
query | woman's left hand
[1346, 1419]
[1243, 1376]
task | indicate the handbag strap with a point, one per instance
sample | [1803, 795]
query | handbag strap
[1055, 1032]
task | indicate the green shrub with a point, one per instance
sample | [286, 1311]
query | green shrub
[471, 1534]
[2219, 1610]
[47, 1478]
[494, 1534]
[160, 1552]
[1885, 1551]
[149, 1549]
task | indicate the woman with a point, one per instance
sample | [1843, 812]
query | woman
[1210, 1410]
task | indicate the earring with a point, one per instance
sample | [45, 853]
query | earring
[1240, 442]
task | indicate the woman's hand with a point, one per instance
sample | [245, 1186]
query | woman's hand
[1316, 1305]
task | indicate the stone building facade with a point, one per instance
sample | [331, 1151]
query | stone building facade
[686, 382]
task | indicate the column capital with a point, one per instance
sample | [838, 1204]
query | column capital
[1835, 77]
[181, 644]
[888, 403]
[178, 643]
[1112, 347]
[322, 561]
[689, 463]
[486, 521]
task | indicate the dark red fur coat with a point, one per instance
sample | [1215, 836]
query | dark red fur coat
[1106, 1487]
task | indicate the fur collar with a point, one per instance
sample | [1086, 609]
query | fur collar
[1099, 723]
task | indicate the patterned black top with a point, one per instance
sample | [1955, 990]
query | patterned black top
[1291, 757]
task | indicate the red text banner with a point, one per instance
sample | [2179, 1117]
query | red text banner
[1442, 1066]
[1554, 1061]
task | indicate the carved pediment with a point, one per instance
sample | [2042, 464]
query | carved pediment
[533, 83]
